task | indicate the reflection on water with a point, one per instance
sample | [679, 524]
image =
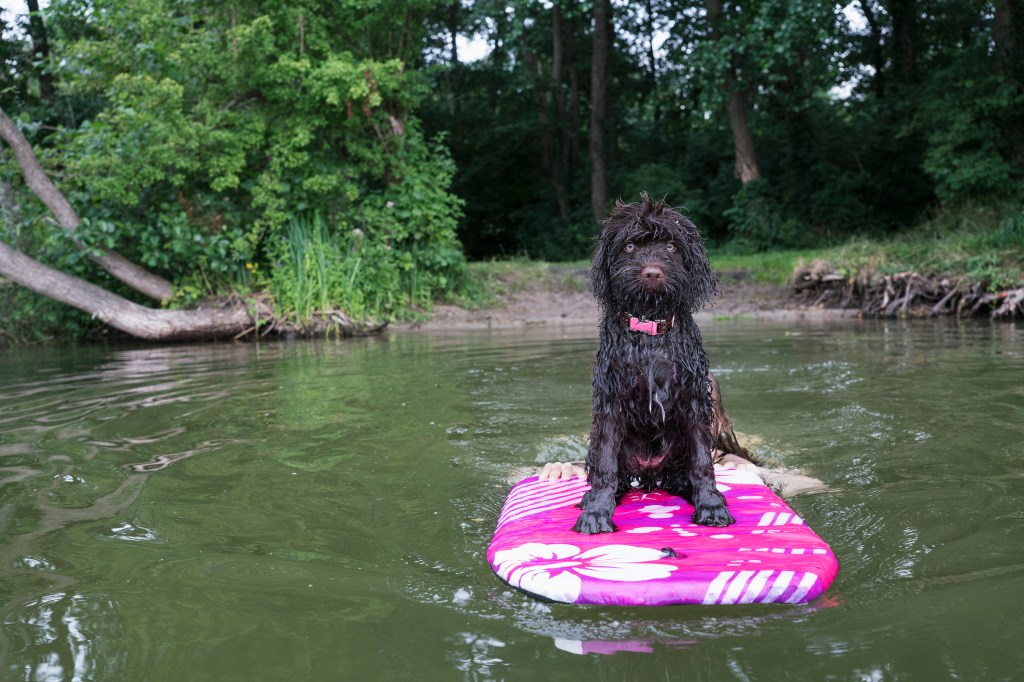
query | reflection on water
[321, 510]
[69, 636]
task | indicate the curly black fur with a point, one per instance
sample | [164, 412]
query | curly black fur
[653, 409]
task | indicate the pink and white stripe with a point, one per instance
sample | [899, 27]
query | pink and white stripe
[540, 496]
[760, 587]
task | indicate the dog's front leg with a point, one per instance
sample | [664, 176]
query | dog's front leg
[708, 504]
[598, 503]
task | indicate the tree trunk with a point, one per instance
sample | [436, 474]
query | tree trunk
[560, 160]
[575, 118]
[41, 49]
[547, 144]
[120, 313]
[138, 278]
[1002, 36]
[876, 53]
[746, 168]
[599, 108]
[903, 29]
[652, 57]
[453, 30]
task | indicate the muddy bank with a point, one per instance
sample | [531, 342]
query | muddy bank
[562, 297]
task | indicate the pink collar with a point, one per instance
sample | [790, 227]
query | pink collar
[652, 327]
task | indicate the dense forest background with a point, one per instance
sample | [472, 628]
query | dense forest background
[775, 123]
[349, 155]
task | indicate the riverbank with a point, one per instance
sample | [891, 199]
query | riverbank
[533, 293]
[965, 262]
[961, 265]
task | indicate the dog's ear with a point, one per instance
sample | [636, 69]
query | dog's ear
[599, 265]
[599, 269]
[701, 281]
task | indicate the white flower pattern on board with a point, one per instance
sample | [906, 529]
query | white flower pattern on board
[556, 571]
[660, 511]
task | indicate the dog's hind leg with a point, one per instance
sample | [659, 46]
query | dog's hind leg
[726, 442]
[598, 503]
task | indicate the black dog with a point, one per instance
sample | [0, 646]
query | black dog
[653, 408]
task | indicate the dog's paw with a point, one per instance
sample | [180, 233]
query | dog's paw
[717, 516]
[591, 523]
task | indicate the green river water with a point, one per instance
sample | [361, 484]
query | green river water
[321, 510]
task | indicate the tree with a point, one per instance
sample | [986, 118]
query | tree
[118, 312]
[189, 137]
[746, 169]
[519, 134]
[153, 286]
[41, 48]
[599, 107]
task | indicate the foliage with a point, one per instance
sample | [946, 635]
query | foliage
[861, 127]
[315, 270]
[968, 112]
[759, 223]
[191, 136]
[394, 256]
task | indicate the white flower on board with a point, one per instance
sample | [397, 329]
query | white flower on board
[659, 511]
[557, 571]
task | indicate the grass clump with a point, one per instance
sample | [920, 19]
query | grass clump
[970, 244]
[770, 267]
[489, 280]
[315, 270]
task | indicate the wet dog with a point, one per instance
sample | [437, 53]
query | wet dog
[653, 408]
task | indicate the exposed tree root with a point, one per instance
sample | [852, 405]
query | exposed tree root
[321, 324]
[904, 294]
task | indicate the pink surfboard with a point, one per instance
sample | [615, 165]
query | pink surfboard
[658, 555]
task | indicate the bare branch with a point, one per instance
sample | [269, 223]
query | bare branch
[136, 277]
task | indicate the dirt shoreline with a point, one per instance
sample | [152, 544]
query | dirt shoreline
[550, 302]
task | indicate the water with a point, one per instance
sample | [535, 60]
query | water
[320, 511]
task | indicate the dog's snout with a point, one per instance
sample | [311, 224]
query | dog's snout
[652, 275]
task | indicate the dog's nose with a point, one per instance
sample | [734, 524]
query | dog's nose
[652, 275]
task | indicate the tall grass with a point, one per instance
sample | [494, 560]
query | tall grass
[311, 256]
[317, 272]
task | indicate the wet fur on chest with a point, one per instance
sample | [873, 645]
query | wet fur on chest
[652, 380]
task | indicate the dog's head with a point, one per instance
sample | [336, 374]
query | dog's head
[650, 260]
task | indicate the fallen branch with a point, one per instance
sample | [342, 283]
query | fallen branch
[118, 312]
[138, 278]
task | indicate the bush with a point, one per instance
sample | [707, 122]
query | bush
[760, 224]
[389, 255]
[971, 119]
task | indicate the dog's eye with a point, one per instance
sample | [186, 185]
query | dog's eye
[671, 247]
[630, 247]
